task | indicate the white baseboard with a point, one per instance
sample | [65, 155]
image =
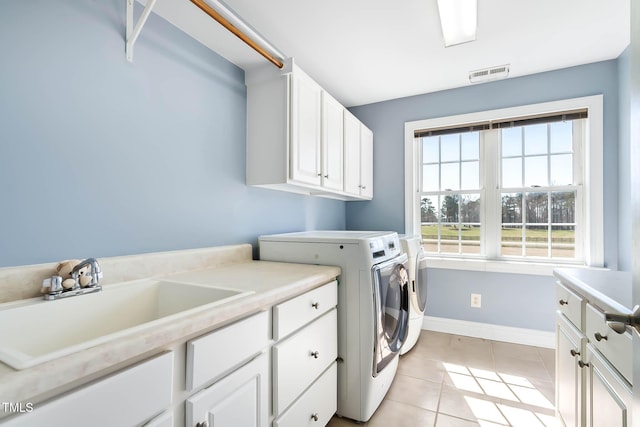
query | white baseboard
[490, 332]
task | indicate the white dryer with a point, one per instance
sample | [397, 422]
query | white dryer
[412, 246]
[373, 304]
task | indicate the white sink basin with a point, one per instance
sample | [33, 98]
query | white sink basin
[39, 330]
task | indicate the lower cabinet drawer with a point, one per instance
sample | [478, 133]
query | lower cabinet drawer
[127, 398]
[617, 348]
[316, 406]
[301, 358]
[213, 355]
[570, 304]
[297, 312]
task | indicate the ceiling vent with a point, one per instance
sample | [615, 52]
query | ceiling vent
[489, 74]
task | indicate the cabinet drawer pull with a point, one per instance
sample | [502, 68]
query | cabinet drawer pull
[599, 337]
[582, 364]
[315, 305]
[315, 417]
[563, 302]
[574, 353]
[315, 354]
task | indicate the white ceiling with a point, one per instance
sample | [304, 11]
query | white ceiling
[364, 51]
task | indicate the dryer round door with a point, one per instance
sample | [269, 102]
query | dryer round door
[391, 303]
[420, 283]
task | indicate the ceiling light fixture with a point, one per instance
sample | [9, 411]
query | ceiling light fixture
[459, 21]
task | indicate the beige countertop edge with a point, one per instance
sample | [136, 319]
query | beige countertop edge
[43, 381]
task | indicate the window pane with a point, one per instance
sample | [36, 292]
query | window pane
[450, 209]
[511, 240]
[512, 172]
[470, 208]
[537, 241]
[470, 175]
[512, 208]
[561, 169]
[535, 171]
[430, 150]
[470, 146]
[563, 241]
[429, 210]
[561, 137]
[535, 139]
[470, 243]
[449, 237]
[450, 146]
[450, 176]
[430, 238]
[512, 142]
[537, 208]
[563, 207]
[430, 178]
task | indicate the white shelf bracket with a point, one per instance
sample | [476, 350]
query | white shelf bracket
[134, 32]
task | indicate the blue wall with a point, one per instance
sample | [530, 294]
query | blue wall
[450, 289]
[102, 157]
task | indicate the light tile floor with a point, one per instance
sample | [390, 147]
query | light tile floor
[456, 381]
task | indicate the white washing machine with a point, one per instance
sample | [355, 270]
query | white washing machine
[373, 304]
[412, 246]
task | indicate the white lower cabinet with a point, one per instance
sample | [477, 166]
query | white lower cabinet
[163, 420]
[128, 398]
[304, 372]
[238, 400]
[608, 395]
[316, 406]
[569, 372]
[593, 366]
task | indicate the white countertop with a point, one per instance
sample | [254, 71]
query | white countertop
[269, 282]
[606, 289]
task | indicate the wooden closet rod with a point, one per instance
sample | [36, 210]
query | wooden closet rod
[242, 36]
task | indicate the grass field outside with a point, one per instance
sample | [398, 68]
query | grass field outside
[537, 241]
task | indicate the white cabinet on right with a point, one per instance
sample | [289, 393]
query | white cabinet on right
[358, 149]
[593, 365]
[608, 395]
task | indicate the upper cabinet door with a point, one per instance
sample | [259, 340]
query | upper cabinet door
[306, 104]
[351, 154]
[332, 143]
[366, 162]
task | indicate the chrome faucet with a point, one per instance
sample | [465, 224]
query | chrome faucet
[53, 286]
[95, 272]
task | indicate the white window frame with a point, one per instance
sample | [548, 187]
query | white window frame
[593, 213]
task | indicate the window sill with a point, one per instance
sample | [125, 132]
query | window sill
[499, 266]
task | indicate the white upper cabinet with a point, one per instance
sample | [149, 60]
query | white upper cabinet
[366, 162]
[358, 149]
[296, 135]
[306, 115]
[332, 143]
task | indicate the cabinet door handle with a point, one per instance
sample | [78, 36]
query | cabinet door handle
[203, 424]
[599, 337]
[315, 354]
[315, 305]
[326, 176]
[574, 353]
[563, 302]
[582, 364]
[364, 187]
[315, 417]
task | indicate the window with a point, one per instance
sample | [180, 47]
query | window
[509, 185]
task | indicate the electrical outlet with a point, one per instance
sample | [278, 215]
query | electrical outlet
[476, 300]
